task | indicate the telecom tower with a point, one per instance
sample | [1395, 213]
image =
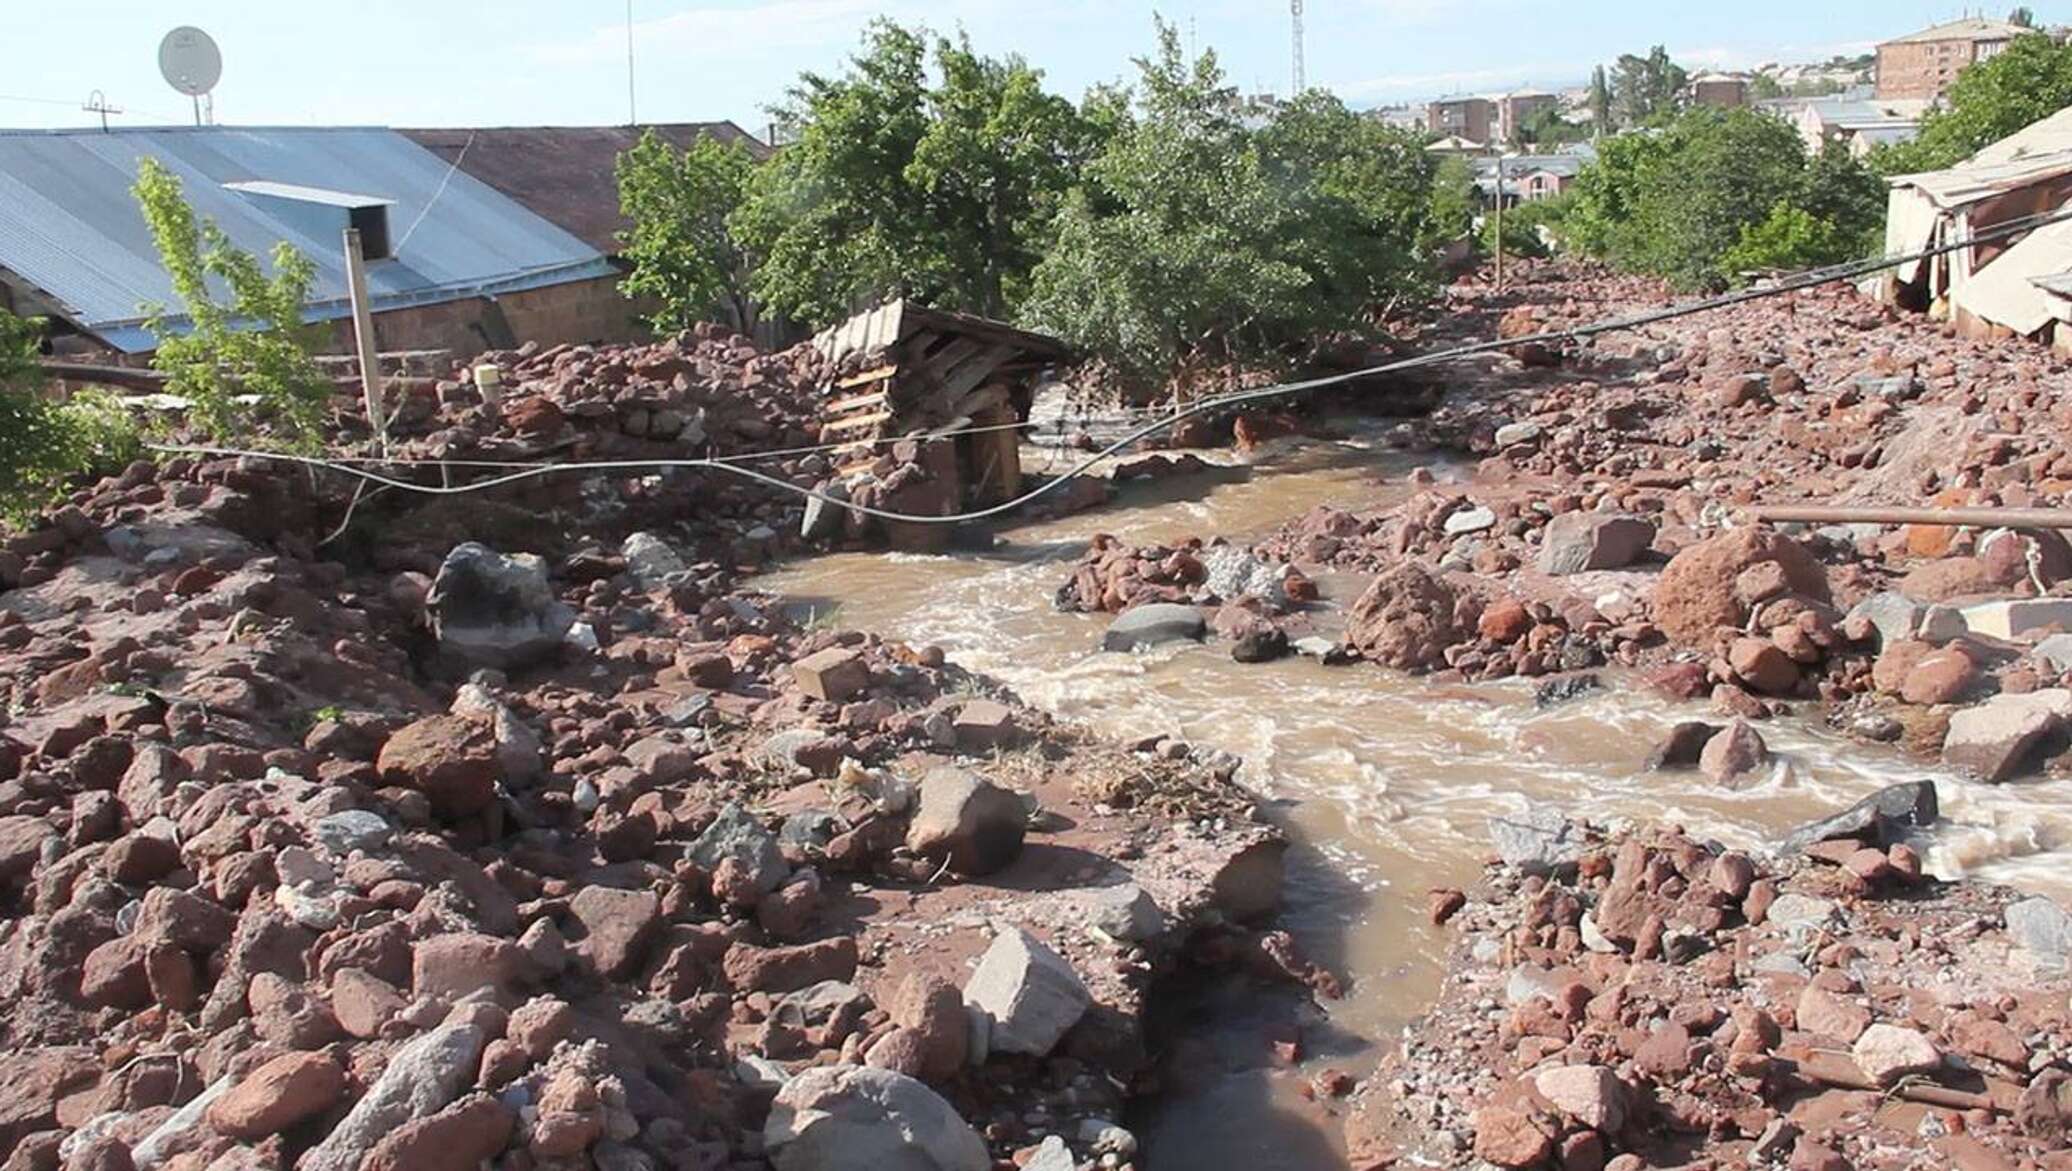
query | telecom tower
[1301, 83]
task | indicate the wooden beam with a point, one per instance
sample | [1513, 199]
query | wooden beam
[877, 375]
[855, 401]
[857, 422]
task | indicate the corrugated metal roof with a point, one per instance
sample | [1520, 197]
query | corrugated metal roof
[70, 226]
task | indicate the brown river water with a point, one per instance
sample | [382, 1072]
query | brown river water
[1384, 781]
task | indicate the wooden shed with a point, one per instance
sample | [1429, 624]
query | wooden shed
[905, 371]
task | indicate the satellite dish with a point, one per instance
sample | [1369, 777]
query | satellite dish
[189, 60]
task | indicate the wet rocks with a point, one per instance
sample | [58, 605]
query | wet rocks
[854, 1118]
[1883, 818]
[1030, 992]
[1734, 754]
[974, 824]
[1406, 619]
[1153, 625]
[1697, 594]
[492, 610]
[1994, 741]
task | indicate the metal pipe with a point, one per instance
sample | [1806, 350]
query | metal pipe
[1878, 514]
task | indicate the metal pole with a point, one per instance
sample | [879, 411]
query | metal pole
[363, 334]
[632, 112]
[1500, 223]
[1878, 514]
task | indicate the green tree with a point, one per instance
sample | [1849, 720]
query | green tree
[1454, 202]
[2029, 80]
[1195, 234]
[684, 257]
[1600, 102]
[1545, 127]
[45, 445]
[1646, 88]
[1695, 200]
[2022, 16]
[256, 345]
[899, 187]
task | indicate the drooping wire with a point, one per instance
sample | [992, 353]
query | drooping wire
[1807, 280]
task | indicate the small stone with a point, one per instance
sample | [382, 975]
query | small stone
[1885, 1053]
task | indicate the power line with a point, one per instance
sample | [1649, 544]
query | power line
[1810, 279]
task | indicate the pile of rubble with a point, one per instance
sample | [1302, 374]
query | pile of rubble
[1607, 518]
[1645, 998]
[434, 854]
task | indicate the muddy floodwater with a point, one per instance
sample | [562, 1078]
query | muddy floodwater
[1386, 782]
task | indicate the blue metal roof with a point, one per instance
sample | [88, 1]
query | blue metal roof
[70, 226]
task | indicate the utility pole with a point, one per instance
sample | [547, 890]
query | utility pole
[363, 333]
[632, 111]
[1301, 81]
[97, 103]
[1499, 223]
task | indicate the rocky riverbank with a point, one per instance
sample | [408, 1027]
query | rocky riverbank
[517, 829]
[1646, 998]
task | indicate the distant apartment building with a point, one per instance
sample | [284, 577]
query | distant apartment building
[1470, 118]
[1515, 110]
[1719, 89]
[1925, 64]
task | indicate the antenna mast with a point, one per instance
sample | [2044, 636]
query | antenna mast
[1301, 82]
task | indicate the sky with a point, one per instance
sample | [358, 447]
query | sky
[563, 62]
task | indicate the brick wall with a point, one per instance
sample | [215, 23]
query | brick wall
[1921, 69]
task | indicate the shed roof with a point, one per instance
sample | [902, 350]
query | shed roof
[70, 226]
[566, 174]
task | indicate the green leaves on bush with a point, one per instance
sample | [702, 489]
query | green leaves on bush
[685, 258]
[45, 445]
[1697, 198]
[1207, 228]
[244, 362]
[2027, 81]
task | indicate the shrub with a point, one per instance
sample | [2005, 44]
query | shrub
[244, 361]
[45, 445]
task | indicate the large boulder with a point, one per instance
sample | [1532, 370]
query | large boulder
[650, 560]
[489, 610]
[974, 823]
[453, 760]
[855, 1118]
[1153, 624]
[1881, 819]
[1996, 739]
[1696, 594]
[1406, 619]
[1031, 993]
[1576, 542]
[737, 835]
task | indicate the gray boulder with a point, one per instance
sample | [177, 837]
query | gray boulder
[855, 1118]
[1159, 622]
[1576, 542]
[489, 610]
[1881, 819]
[1235, 573]
[1894, 615]
[650, 560]
[825, 517]
[1538, 841]
[736, 833]
[423, 1078]
[352, 829]
[1029, 992]
[2043, 928]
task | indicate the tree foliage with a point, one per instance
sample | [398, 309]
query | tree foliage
[44, 445]
[1696, 200]
[899, 185]
[1600, 102]
[1646, 88]
[235, 362]
[2028, 80]
[685, 258]
[1195, 233]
